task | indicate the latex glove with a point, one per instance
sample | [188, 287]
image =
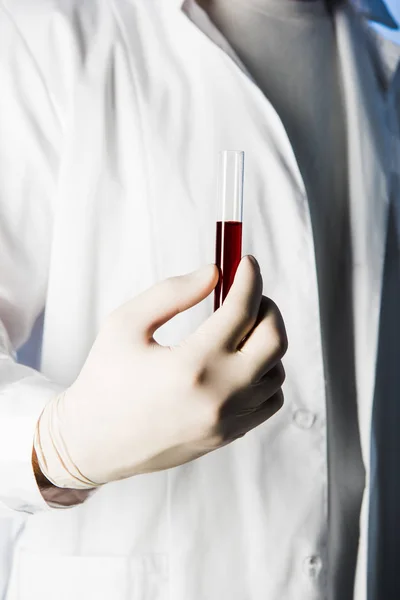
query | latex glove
[138, 407]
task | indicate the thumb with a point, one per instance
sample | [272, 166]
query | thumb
[166, 299]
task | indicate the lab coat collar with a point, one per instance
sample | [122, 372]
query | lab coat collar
[374, 10]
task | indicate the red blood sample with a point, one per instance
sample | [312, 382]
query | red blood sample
[227, 257]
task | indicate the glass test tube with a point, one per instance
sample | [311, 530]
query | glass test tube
[229, 220]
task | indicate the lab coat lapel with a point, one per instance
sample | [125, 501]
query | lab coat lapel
[204, 23]
[368, 159]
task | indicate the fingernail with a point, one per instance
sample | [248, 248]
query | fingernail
[253, 260]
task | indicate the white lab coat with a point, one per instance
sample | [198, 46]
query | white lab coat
[111, 116]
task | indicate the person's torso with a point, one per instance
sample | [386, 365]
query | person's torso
[146, 112]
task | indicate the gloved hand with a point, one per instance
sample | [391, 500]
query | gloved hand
[138, 407]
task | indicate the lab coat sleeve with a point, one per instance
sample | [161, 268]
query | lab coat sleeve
[30, 142]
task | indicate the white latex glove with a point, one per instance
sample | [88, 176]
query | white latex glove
[138, 407]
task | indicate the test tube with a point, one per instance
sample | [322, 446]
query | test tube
[228, 247]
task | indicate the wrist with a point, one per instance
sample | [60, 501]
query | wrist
[41, 479]
[55, 496]
[52, 453]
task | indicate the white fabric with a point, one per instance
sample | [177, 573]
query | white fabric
[111, 115]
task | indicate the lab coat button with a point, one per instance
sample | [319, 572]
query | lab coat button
[312, 566]
[304, 419]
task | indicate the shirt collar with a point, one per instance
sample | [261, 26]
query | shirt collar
[374, 10]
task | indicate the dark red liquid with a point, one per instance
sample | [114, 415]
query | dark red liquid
[227, 257]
